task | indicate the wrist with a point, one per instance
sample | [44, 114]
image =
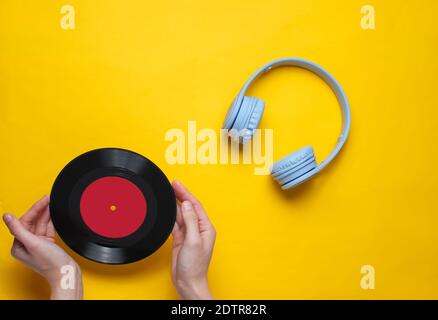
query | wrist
[194, 290]
[66, 283]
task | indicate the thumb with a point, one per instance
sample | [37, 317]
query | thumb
[18, 230]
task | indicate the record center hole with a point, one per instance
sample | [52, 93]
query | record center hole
[113, 208]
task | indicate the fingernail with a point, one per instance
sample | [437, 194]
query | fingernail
[7, 217]
[187, 205]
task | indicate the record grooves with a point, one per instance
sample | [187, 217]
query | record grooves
[112, 206]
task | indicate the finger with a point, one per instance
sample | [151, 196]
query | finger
[35, 210]
[179, 218]
[50, 232]
[190, 222]
[17, 244]
[178, 235]
[178, 228]
[17, 229]
[183, 194]
[175, 228]
[18, 251]
[42, 222]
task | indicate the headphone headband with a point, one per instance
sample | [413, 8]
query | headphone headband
[324, 75]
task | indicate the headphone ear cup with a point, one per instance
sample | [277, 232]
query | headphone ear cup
[248, 118]
[295, 168]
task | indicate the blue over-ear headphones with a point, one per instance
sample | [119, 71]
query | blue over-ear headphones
[245, 114]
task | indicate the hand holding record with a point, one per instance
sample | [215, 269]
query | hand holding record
[34, 245]
[193, 242]
[194, 237]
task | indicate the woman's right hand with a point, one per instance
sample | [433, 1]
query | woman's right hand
[193, 242]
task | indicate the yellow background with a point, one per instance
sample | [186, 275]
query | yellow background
[133, 69]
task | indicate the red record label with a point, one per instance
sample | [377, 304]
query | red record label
[113, 207]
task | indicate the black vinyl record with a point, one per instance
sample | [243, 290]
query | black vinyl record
[112, 206]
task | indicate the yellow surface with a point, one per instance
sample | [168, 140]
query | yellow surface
[133, 69]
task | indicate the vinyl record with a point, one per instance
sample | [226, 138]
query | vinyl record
[112, 206]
